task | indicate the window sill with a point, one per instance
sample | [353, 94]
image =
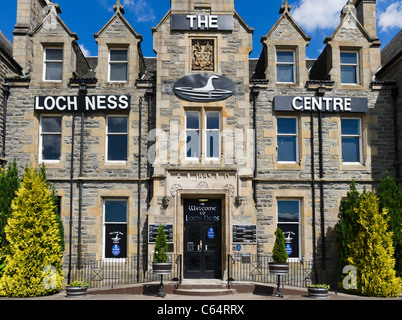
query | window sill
[351, 86]
[114, 260]
[352, 166]
[116, 164]
[55, 164]
[48, 83]
[282, 165]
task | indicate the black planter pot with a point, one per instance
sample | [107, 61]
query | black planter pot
[76, 292]
[318, 293]
[278, 268]
[162, 268]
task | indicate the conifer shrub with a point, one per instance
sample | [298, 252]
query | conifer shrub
[9, 184]
[371, 251]
[161, 247]
[56, 211]
[346, 228]
[279, 254]
[34, 256]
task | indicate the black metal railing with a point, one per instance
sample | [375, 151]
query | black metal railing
[240, 267]
[255, 268]
[111, 273]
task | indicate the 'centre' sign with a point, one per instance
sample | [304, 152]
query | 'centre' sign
[82, 103]
[202, 22]
[324, 104]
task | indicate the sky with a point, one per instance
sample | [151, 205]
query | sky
[318, 18]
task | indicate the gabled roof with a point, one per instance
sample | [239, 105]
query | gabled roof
[349, 12]
[118, 14]
[285, 14]
[51, 18]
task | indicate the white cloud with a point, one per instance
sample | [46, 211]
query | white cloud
[105, 4]
[391, 17]
[85, 51]
[143, 11]
[312, 15]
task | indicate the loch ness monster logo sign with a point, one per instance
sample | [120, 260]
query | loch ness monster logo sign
[204, 88]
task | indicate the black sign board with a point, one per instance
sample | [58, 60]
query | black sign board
[245, 234]
[116, 241]
[204, 88]
[323, 104]
[202, 22]
[196, 211]
[153, 232]
[98, 103]
[291, 233]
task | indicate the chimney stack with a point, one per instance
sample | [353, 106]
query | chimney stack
[366, 13]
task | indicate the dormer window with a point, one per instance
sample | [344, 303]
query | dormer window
[118, 65]
[53, 64]
[349, 67]
[285, 66]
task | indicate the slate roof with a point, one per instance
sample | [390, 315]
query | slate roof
[392, 49]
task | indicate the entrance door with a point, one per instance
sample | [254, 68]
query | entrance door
[202, 239]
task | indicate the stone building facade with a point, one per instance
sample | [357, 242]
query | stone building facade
[8, 68]
[219, 148]
[390, 76]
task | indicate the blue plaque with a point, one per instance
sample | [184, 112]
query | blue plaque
[116, 250]
[211, 233]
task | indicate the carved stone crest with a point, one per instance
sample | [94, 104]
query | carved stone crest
[202, 55]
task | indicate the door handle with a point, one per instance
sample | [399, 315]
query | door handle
[206, 247]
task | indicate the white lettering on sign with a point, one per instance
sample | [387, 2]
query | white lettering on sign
[200, 21]
[321, 104]
[58, 103]
[87, 103]
[201, 208]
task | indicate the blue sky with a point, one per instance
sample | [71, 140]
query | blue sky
[318, 18]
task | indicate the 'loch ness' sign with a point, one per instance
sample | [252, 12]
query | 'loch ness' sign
[82, 103]
[204, 88]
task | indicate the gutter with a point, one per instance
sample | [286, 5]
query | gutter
[396, 132]
[6, 94]
[255, 90]
[139, 188]
[82, 92]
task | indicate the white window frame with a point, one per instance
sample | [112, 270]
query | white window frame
[114, 133]
[41, 133]
[353, 136]
[110, 63]
[104, 228]
[298, 223]
[357, 65]
[45, 61]
[212, 130]
[286, 64]
[193, 130]
[288, 135]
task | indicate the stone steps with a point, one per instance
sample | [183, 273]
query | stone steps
[203, 288]
[204, 292]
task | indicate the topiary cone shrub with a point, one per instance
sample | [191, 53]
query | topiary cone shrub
[161, 247]
[279, 254]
